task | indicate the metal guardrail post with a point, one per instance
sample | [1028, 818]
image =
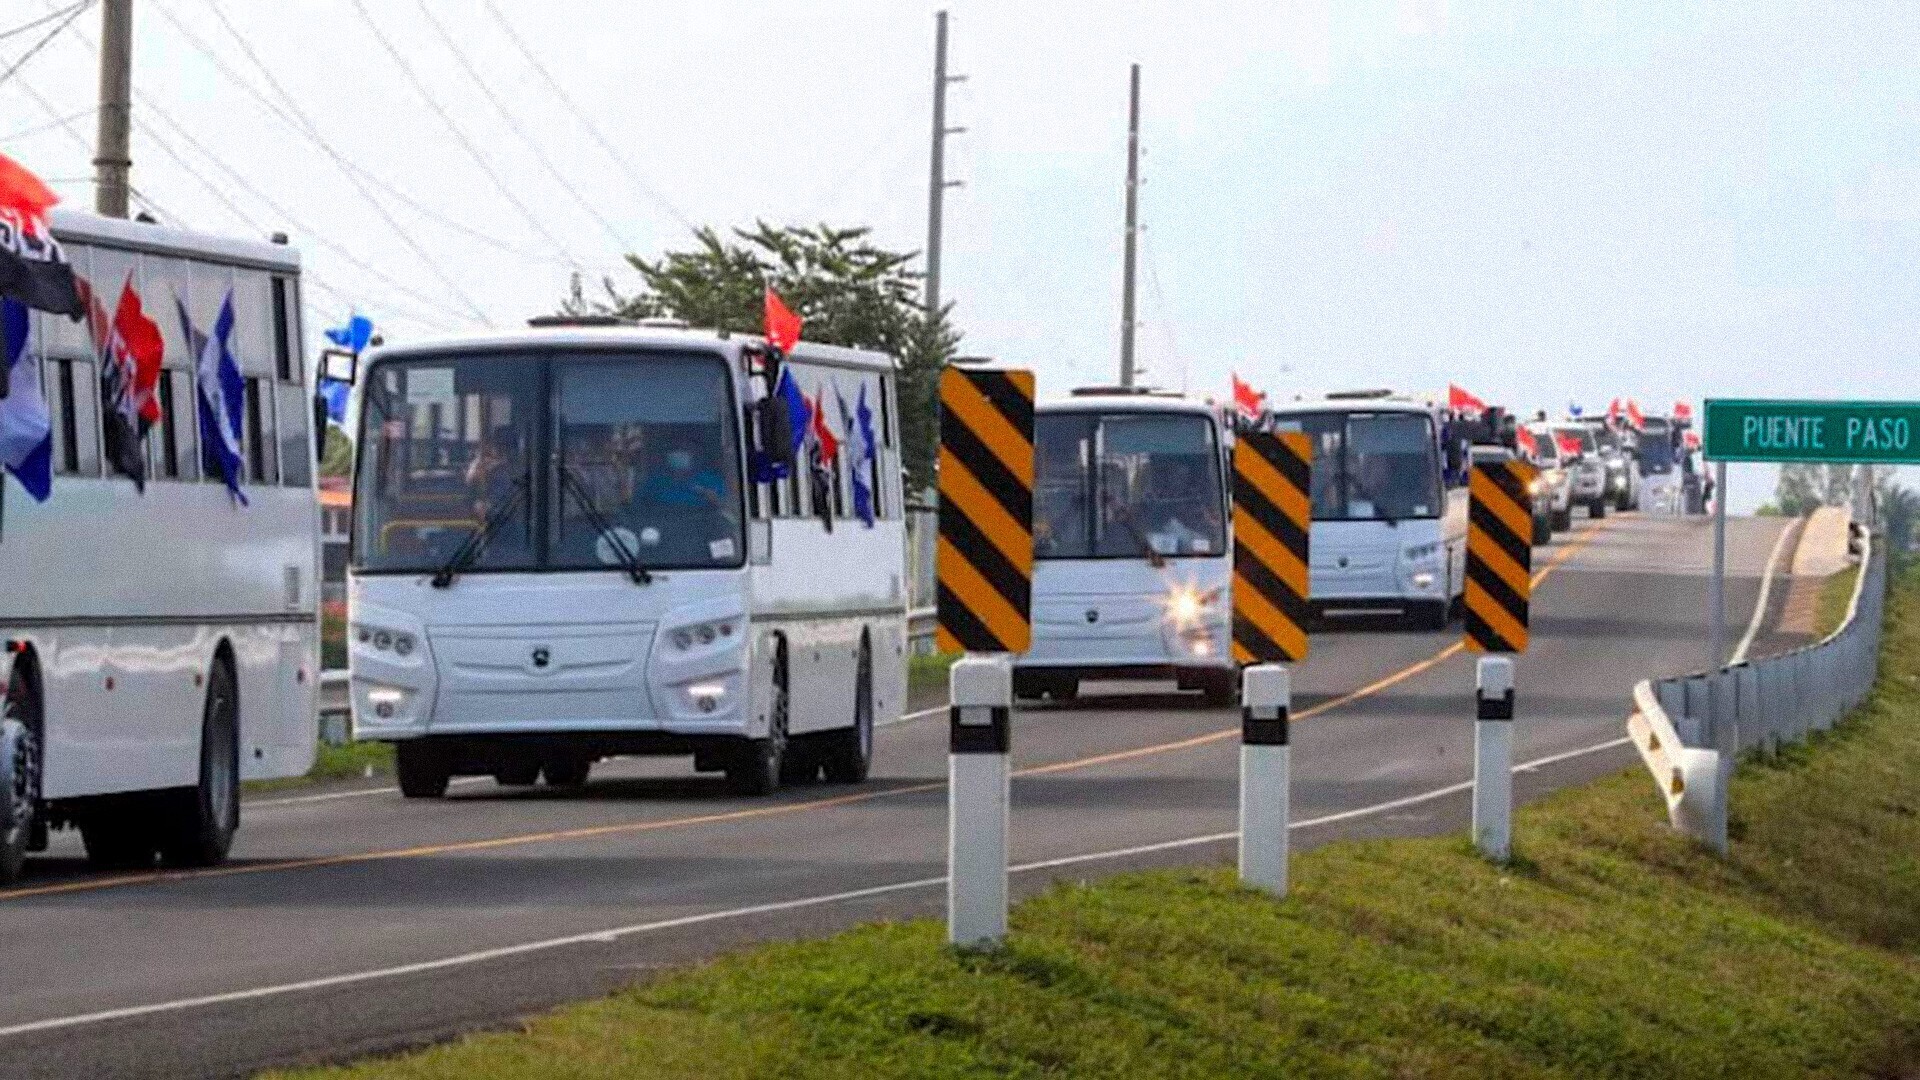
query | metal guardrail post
[1493, 757]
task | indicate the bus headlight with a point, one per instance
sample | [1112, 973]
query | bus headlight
[380, 639]
[1188, 606]
[700, 635]
[1422, 552]
[707, 696]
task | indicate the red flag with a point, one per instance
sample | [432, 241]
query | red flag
[1693, 440]
[1527, 443]
[1246, 399]
[22, 191]
[1633, 415]
[782, 325]
[1462, 402]
[143, 348]
[1682, 411]
[822, 434]
[1613, 411]
[1569, 445]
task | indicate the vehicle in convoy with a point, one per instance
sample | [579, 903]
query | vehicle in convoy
[560, 555]
[1580, 456]
[1540, 494]
[1133, 557]
[1617, 453]
[1389, 532]
[1659, 465]
[1555, 480]
[161, 648]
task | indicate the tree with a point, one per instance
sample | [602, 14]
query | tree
[850, 291]
[338, 458]
[1804, 488]
[1899, 514]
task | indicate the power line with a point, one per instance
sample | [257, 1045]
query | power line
[300, 122]
[49, 125]
[580, 114]
[46, 39]
[506, 190]
[500, 107]
[69, 10]
[66, 124]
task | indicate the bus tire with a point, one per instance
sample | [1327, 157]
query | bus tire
[1563, 519]
[1430, 616]
[1221, 690]
[421, 769]
[757, 765]
[1597, 509]
[1542, 531]
[566, 772]
[518, 774]
[199, 830]
[848, 757]
[19, 790]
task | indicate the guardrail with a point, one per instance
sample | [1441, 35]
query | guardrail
[1690, 729]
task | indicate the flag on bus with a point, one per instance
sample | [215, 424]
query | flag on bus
[222, 393]
[129, 348]
[1464, 403]
[1613, 412]
[33, 267]
[355, 336]
[865, 450]
[782, 326]
[822, 432]
[1634, 419]
[1246, 400]
[1528, 445]
[26, 428]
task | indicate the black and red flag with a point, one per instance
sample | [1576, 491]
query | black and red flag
[33, 268]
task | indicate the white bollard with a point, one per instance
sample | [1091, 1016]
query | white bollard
[979, 733]
[1266, 695]
[1493, 758]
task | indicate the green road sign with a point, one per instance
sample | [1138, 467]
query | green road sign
[1836, 432]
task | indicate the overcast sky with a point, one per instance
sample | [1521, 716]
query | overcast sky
[1543, 202]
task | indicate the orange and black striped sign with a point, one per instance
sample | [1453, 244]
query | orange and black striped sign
[1272, 521]
[1499, 556]
[985, 561]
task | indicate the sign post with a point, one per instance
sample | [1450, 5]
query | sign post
[1272, 522]
[1498, 596]
[985, 572]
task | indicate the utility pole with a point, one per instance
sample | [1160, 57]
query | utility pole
[113, 154]
[1133, 228]
[937, 182]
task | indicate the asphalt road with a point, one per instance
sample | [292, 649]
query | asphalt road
[355, 921]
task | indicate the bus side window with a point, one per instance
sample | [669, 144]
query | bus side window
[76, 417]
[284, 367]
[258, 436]
[749, 437]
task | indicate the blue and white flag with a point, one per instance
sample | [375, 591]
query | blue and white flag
[1574, 410]
[355, 335]
[222, 392]
[864, 451]
[26, 430]
[335, 394]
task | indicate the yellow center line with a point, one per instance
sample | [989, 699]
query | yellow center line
[728, 816]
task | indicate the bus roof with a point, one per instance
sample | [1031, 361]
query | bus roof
[1351, 404]
[1125, 402]
[637, 337]
[74, 226]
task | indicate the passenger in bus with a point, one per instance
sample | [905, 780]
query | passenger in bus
[493, 472]
[686, 480]
[1183, 521]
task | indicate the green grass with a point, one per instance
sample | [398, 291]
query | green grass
[927, 675]
[333, 636]
[1836, 592]
[1610, 947]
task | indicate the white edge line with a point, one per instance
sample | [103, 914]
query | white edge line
[1766, 590]
[608, 937]
[357, 793]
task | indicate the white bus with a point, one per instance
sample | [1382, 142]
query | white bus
[1132, 554]
[160, 647]
[1389, 533]
[560, 554]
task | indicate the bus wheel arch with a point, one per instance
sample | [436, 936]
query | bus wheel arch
[757, 765]
[848, 757]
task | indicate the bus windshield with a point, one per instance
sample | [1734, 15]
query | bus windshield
[1117, 485]
[548, 461]
[1371, 466]
[1656, 448]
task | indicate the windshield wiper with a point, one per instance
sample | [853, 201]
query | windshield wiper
[570, 481]
[477, 542]
[1125, 517]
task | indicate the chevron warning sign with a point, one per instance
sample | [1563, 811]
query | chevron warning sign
[1272, 520]
[985, 559]
[1499, 556]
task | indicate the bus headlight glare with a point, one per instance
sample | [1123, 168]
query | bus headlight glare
[1423, 580]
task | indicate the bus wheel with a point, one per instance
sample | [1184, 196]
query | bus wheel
[421, 769]
[849, 757]
[756, 765]
[1221, 690]
[566, 772]
[518, 774]
[19, 787]
[199, 830]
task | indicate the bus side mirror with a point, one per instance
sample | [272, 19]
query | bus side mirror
[759, 543]
[776, 429]
[339, 365]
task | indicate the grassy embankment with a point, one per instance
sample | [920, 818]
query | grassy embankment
[1610, 947]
